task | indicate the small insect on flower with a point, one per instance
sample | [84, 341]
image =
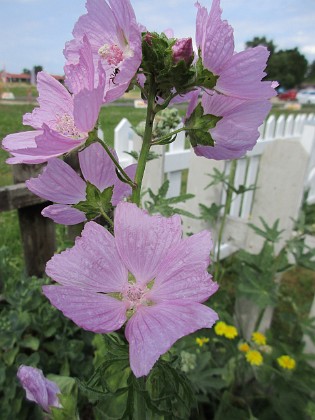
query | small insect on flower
[286, 362]
[201, 341]
[254, 357]
[259, 338]
[243, 347]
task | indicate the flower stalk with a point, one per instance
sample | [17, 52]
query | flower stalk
[146, 145]
[116, 163]
[227, 207]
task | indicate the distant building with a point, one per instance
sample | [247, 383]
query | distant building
[22, 77]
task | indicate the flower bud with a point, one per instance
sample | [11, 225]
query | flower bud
[148, 38]
[183, 50]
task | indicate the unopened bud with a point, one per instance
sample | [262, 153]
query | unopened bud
[183, 50]
[148, 38]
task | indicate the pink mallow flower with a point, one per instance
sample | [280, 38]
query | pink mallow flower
[115, 38]
[145, 275]
[39, 389]
[237, 131]
[60, 184]
[240, 74]
[62, 122]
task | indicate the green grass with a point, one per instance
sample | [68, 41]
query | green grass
[10, 122]
[19, 89]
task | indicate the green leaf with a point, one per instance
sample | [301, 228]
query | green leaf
[272, 233]
[10, 355]
[204, 77]
[198, 125]
[30, 343]
[68, 410]
[95, 201]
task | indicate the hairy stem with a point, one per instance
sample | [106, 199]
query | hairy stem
[171, 133]
[144, 152]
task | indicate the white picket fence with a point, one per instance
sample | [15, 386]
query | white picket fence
[281, 166]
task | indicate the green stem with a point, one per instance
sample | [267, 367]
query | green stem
[171, 133]
[116, 163]
[140, 401]
[147, 137]
[259, 319]
[227, 207]
[106, 217]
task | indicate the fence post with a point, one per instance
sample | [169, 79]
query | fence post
[37, 232]
[278, 195]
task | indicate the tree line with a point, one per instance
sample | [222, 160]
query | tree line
[289, 67]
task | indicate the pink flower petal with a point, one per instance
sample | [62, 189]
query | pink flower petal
[49, 144]
[33, 381]
[23, 140]
[52, 392]
[113, 26]
[237, 132]
[90, 310]
[87, 105]
[152, 330]
[58, 183]
[143, 240]
[82, 74]
[121, 189]
[64, 214]
[182, 274]
[92, 264]
[214, 37]
[242, 75]
[97, 167]
[54, 100]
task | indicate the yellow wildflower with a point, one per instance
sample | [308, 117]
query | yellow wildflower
[243, 347]
[201, 341]
[286, 362]
[230, 332]
[259, 338]
[254, 357]
[220, 328]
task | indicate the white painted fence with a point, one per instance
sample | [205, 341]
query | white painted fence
[281, 165]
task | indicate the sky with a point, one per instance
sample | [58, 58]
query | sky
[33, 32]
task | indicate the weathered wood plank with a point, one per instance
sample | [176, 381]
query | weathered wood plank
[37, 232]
[17, 196]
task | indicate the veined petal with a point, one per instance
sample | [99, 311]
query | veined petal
[92, 311]
[182, 274]
[33, 381]
[92, 264]
[242, 75]
[82, 74]
[215, 38]
[22, 140]
[237, 131]
[58, 183]
[49, 144]
[152, 330]
[97, 167]
[64, 214]
[87, 105]
[122, 189]
[54, 100]
[143, 240]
